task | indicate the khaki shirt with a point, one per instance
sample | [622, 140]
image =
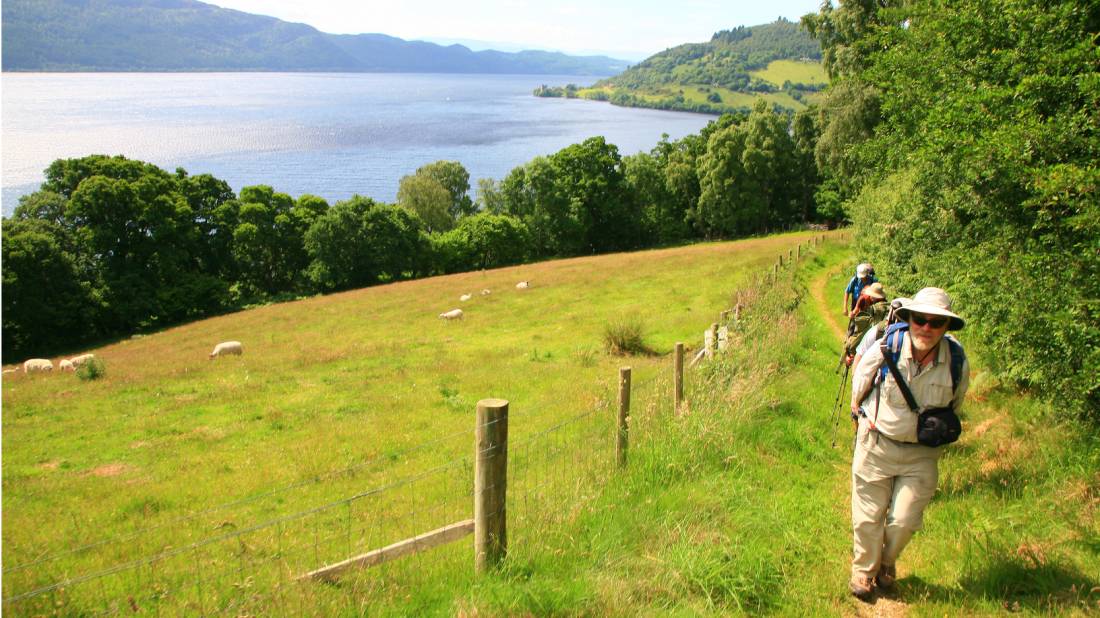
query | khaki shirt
[931, 388]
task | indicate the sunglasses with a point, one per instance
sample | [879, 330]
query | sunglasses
[922, 320]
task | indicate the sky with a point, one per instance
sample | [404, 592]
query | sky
[628, 29]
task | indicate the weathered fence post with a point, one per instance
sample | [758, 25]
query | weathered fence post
[678, 378]
[623, 436]
[723, 338]
[710, 338]
[737, 313]
[490, 484]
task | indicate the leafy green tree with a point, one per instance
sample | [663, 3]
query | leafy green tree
[484, 240]
[268, 245]
[429, 199]
[489, 197]
[47, 308]
[532, 193]
[360, 242]
[591, 177]
[456, 180]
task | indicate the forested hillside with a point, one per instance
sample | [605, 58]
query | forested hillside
[186, 35]
[962, 138]
[724, 74]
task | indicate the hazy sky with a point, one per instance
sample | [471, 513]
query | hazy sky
[631, 27]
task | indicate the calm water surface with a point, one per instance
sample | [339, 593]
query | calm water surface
[331, 135]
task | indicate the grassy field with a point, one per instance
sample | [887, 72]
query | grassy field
[737, 506]
[779, 71]
[334, 396]
[731, 99]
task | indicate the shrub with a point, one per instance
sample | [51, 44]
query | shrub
[93, 369]
[624, 336]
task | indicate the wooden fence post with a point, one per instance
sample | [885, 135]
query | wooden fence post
[723, 338]
[737, 313]
[709, 340]
[490, 484]
[623, 435]
[678, 378]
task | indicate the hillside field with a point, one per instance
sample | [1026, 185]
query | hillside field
[332, 396]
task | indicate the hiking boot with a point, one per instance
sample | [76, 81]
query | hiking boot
[887, 575]
[861, 587]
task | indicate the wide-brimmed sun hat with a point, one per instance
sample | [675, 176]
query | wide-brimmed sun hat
[875, 291]
[932, 301]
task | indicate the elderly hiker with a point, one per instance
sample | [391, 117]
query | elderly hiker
[864, 277]
[906, 393]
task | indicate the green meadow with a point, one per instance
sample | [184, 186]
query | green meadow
[794, 71]
[332, 397]
[176, 485]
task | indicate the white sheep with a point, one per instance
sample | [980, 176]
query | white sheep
[465, 297]
[66, 365]
[77, 361]
[523, 285]
[37, 364]
[227, 347]
[486, 292]
[453, 314]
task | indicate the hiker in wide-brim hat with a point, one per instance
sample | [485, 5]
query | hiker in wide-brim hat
[894, 474]
[932, 302]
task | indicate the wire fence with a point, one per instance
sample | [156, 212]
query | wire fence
[249, 555]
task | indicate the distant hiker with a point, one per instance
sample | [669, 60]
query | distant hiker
[864, 277]
[874, 333]
[870, 309]
[894, 466]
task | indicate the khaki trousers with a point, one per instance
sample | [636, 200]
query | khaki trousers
[891, 485]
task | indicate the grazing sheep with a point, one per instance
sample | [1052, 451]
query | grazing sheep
[66, 365]
[77, 361]
[37, 364]
[523, 285]
[465, 297]
[453, 314]
[486, 292]
[227, 347]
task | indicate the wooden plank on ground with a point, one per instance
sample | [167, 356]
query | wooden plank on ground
[418, 543]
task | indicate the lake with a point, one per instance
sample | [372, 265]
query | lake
[332, 135]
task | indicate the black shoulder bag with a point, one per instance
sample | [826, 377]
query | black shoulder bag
[935, 426]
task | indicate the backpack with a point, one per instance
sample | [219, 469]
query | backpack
[892, 342]
[864, 320]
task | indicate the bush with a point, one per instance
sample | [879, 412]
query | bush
[93, 369]
[624, 337]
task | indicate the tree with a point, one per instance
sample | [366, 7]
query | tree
[483, 241]
[47, 308]
[429, 199]
[456, 180]
[591, 177]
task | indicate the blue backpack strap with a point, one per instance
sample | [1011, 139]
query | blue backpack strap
[891, 341]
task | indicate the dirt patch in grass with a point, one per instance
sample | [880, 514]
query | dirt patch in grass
[108, 470]
[50, 465]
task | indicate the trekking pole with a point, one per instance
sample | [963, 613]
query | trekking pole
[837, 407]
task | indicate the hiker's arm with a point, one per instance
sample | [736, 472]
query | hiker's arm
[863, 373]
[846, 305]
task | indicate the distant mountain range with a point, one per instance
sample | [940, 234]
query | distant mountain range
[186, 35]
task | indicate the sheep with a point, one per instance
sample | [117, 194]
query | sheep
[523, 285]
[227, 347]
[37, 364]
[66, 365]
[77, 361]
[453, 314]
[465, 297]
[486, 292]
